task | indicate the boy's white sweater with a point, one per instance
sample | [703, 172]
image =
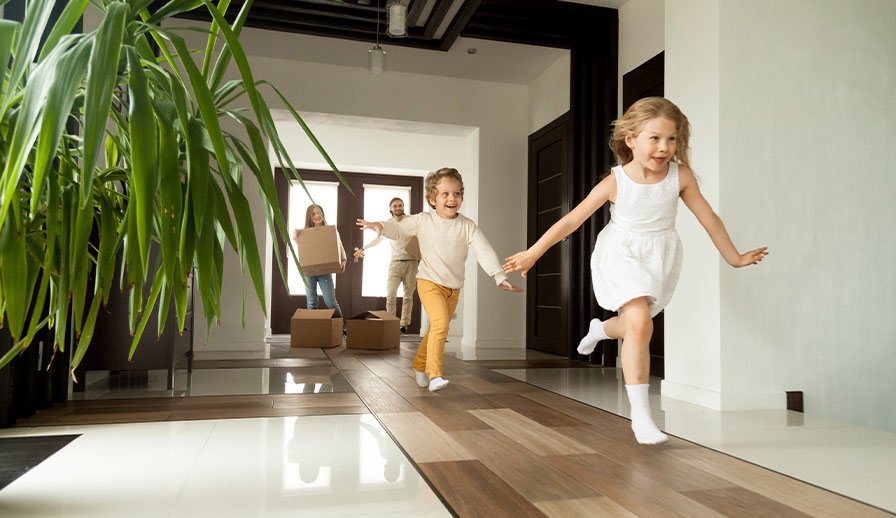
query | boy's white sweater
[444, 244]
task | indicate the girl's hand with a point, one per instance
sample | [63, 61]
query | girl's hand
[376, 226]
[519, 261]
[295, 234]
[751, 257]
[505, 285]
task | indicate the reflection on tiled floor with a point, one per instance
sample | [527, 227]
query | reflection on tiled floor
[216, 382]
[849, 460]
[322, 466]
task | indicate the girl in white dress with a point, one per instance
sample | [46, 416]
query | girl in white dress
[637, 256]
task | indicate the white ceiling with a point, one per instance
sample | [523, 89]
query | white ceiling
[493, 61]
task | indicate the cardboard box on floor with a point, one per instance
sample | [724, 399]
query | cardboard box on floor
[320, 250]
[372, 330]
[315, 328]
[413, 248]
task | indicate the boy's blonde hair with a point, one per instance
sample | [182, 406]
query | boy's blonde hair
[432, 180]
[639, 114]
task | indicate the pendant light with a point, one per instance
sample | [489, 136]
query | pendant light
[398, 19]
[376, 57]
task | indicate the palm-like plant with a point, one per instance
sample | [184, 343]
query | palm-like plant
[107, 147]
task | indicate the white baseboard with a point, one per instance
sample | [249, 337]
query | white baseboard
[724, 401]
[500, 344]
[690, 394]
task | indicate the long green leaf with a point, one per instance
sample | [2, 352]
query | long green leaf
[224, 57]
[144, 153]
[150, 304]
[73, 11]
[212, 37]
[14, 278]
[98, 93]
[61, 96]
[27, 43]
[172, 8]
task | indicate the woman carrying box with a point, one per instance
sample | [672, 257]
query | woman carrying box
[314, 217]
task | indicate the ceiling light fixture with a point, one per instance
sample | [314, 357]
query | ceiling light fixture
[398, 19]
[376, 57]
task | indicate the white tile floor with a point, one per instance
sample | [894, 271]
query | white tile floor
[853, 461]
[321, 466]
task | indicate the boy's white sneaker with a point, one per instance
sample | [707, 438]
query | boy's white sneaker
[422, 379]
[437, 383]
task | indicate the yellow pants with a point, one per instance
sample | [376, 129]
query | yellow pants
[439, 303]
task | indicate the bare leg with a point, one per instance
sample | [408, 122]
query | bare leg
[637, 328]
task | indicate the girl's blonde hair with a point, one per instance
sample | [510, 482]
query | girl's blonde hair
[310, 212]
[432, 180]
[638, 115]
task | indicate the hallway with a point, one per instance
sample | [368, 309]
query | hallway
[348, 433]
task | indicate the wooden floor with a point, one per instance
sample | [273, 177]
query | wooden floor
[492, 446]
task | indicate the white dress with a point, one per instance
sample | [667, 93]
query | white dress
[639, 252]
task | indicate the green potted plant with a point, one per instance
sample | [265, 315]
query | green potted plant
[111, 142]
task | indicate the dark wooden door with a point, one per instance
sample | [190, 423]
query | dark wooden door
[647, 81]
[547, 302]
[350, 206]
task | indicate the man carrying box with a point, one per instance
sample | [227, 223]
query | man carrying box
[402, 268]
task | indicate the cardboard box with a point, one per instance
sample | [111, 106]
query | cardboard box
[320, 251]
[315, 328]
[413, 248]
[372, 330]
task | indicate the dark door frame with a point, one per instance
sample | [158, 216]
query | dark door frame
[348, 285]
[557, 132]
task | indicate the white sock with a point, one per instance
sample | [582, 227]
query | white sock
[437, 383]
[595, 334]
[422, 379]
[645, 429]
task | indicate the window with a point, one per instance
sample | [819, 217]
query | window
[376, 260]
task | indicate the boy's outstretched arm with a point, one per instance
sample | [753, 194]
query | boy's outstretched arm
[376, 226]
[712, 223]
[603, 191]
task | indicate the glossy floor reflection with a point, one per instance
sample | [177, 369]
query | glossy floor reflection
[853, 461]
[215, 382]
[320, 466]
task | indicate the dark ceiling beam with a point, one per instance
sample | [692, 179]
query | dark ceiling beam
[415, 10]
[414, 38]
[436, 17]
[461, 19]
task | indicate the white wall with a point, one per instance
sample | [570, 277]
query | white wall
[793, 124]
[692, 328]
[498, 110]
[549, 94]
[641, 35]
[819, 128]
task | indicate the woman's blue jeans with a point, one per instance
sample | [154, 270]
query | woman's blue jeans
[327, 289]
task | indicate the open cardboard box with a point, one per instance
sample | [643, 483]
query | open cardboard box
[320, 250]
[372, 330]
[315, 328]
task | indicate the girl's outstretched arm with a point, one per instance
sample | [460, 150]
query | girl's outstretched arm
[712, 223]
[603, 191]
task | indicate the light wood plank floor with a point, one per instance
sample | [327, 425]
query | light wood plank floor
[494, 447]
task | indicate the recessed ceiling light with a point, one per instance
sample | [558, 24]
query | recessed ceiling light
[472, 51]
